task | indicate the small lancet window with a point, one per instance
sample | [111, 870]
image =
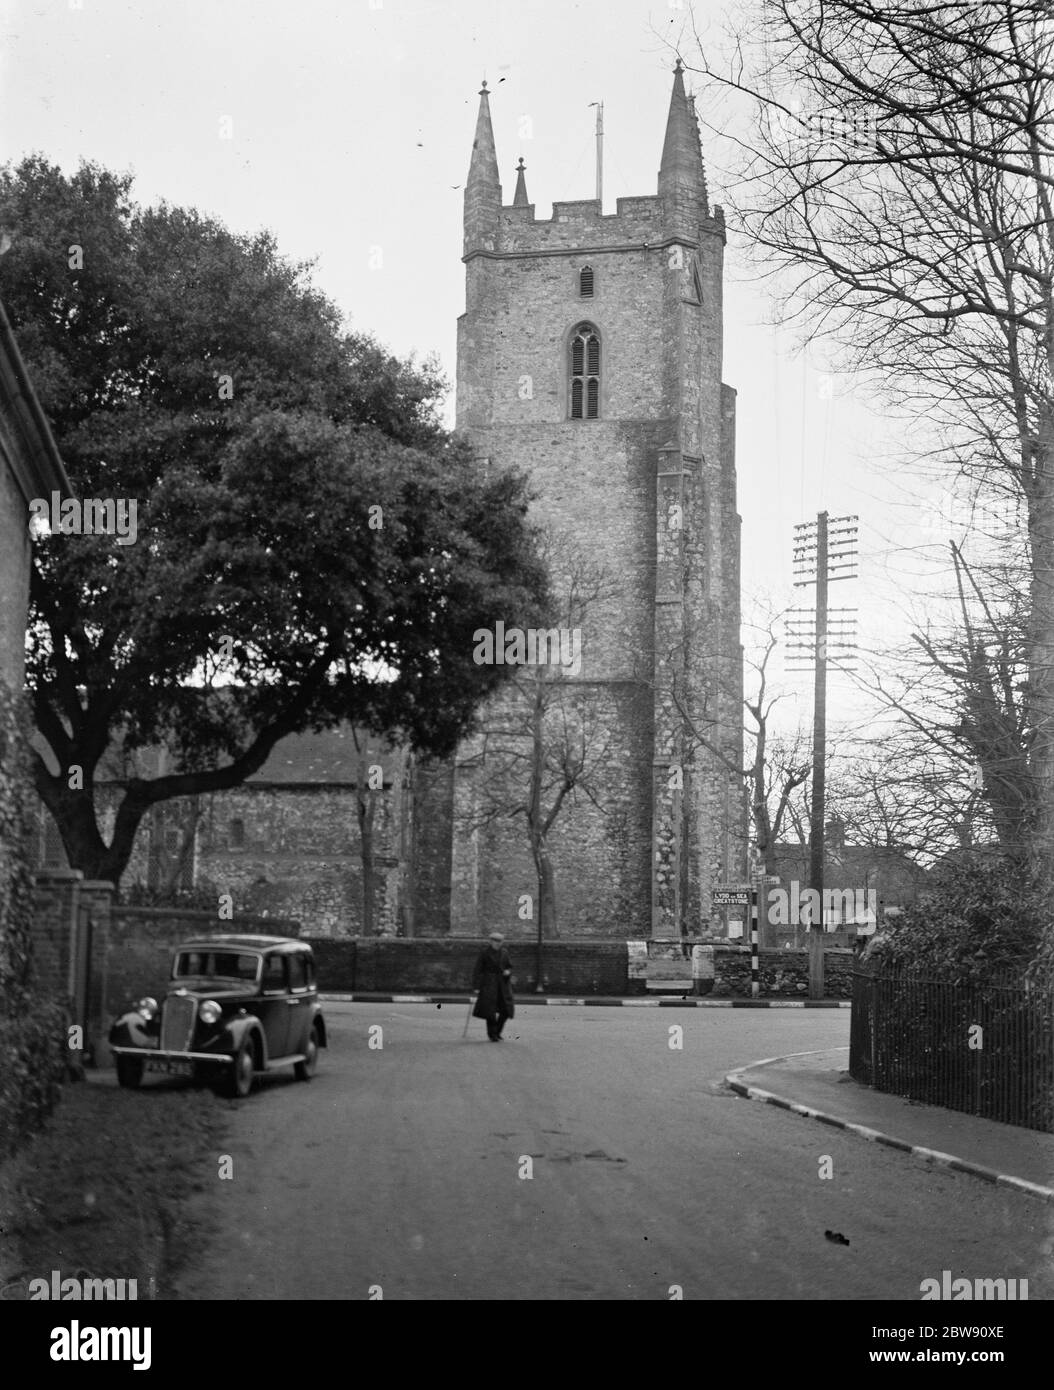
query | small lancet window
[585, 373]
[585, 282]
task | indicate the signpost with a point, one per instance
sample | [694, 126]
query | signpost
[744, 896]
[731, 897]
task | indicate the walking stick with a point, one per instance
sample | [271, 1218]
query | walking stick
[468, 1017]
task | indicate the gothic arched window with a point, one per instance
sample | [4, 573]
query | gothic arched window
[585, 373]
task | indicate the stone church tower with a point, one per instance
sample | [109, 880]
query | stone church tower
[589, 355]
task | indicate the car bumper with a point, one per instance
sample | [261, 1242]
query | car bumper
[170, 1055]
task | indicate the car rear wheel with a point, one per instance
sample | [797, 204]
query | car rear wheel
[129, 1072]
[243, 1072]
[306, 1069]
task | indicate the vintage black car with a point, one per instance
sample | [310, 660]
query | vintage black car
[236, 1006]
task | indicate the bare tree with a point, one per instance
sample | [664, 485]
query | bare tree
[779, 768]
[901, 792]
[781, 764]
[545, 740]
[901, 185]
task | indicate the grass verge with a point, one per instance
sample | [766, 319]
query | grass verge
[101, 1191]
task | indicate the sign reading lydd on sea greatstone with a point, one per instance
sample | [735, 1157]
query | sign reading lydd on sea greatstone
[730, 897]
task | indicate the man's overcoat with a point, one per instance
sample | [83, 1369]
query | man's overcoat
[495, 987]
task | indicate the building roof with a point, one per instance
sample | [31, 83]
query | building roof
[850, 865]
[310, 759]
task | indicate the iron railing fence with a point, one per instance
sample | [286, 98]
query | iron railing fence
[984, 1049]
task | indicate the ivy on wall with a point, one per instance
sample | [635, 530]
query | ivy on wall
[33, 1053]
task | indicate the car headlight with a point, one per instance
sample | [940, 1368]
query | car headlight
[210, 1012]
[147, 1007]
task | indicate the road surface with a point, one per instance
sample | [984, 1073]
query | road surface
[583, 1158]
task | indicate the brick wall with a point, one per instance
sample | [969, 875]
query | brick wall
[128, 950]
[54, 917]
[132, 955]
[369, 965]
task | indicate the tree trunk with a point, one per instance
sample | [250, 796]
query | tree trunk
[1041, 652]
[364, 805]
[74, 814]
[547, 917]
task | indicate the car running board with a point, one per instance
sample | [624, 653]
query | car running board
[273, 1063]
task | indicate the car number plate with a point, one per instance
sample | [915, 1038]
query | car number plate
[170, 1066]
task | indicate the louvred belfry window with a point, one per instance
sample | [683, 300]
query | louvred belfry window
[585, 282]
[585, 373]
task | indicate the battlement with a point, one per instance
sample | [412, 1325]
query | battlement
[580, 224]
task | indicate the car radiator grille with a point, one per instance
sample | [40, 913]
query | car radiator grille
[177, 1023]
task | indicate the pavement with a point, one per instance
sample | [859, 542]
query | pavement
[818, 1086]
[673, 1000]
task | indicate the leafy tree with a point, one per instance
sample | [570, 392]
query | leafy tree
[310, 545]
[973, 924]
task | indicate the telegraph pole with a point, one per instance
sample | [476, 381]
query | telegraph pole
[819, 764]
[820, 548]
[819, 717]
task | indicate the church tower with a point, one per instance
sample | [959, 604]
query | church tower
[589, 356]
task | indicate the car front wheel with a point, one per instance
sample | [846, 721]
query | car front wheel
[305, 1070]
[129, 1072]
[243, 1072]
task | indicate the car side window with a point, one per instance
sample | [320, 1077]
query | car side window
[298, 980]
[274, 974]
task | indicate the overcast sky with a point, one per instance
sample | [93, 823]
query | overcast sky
[346, 128]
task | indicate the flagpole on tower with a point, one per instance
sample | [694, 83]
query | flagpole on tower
[600, 152]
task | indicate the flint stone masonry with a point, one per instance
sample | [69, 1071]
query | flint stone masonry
[783, 974]
[646, 495]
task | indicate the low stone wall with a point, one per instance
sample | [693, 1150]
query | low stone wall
[783, 974]
[372, 965]
[367, 965]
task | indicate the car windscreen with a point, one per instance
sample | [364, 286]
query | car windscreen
[228, 965]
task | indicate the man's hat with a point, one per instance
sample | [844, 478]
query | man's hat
[496, 936]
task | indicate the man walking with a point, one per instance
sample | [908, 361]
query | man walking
[492, 978]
